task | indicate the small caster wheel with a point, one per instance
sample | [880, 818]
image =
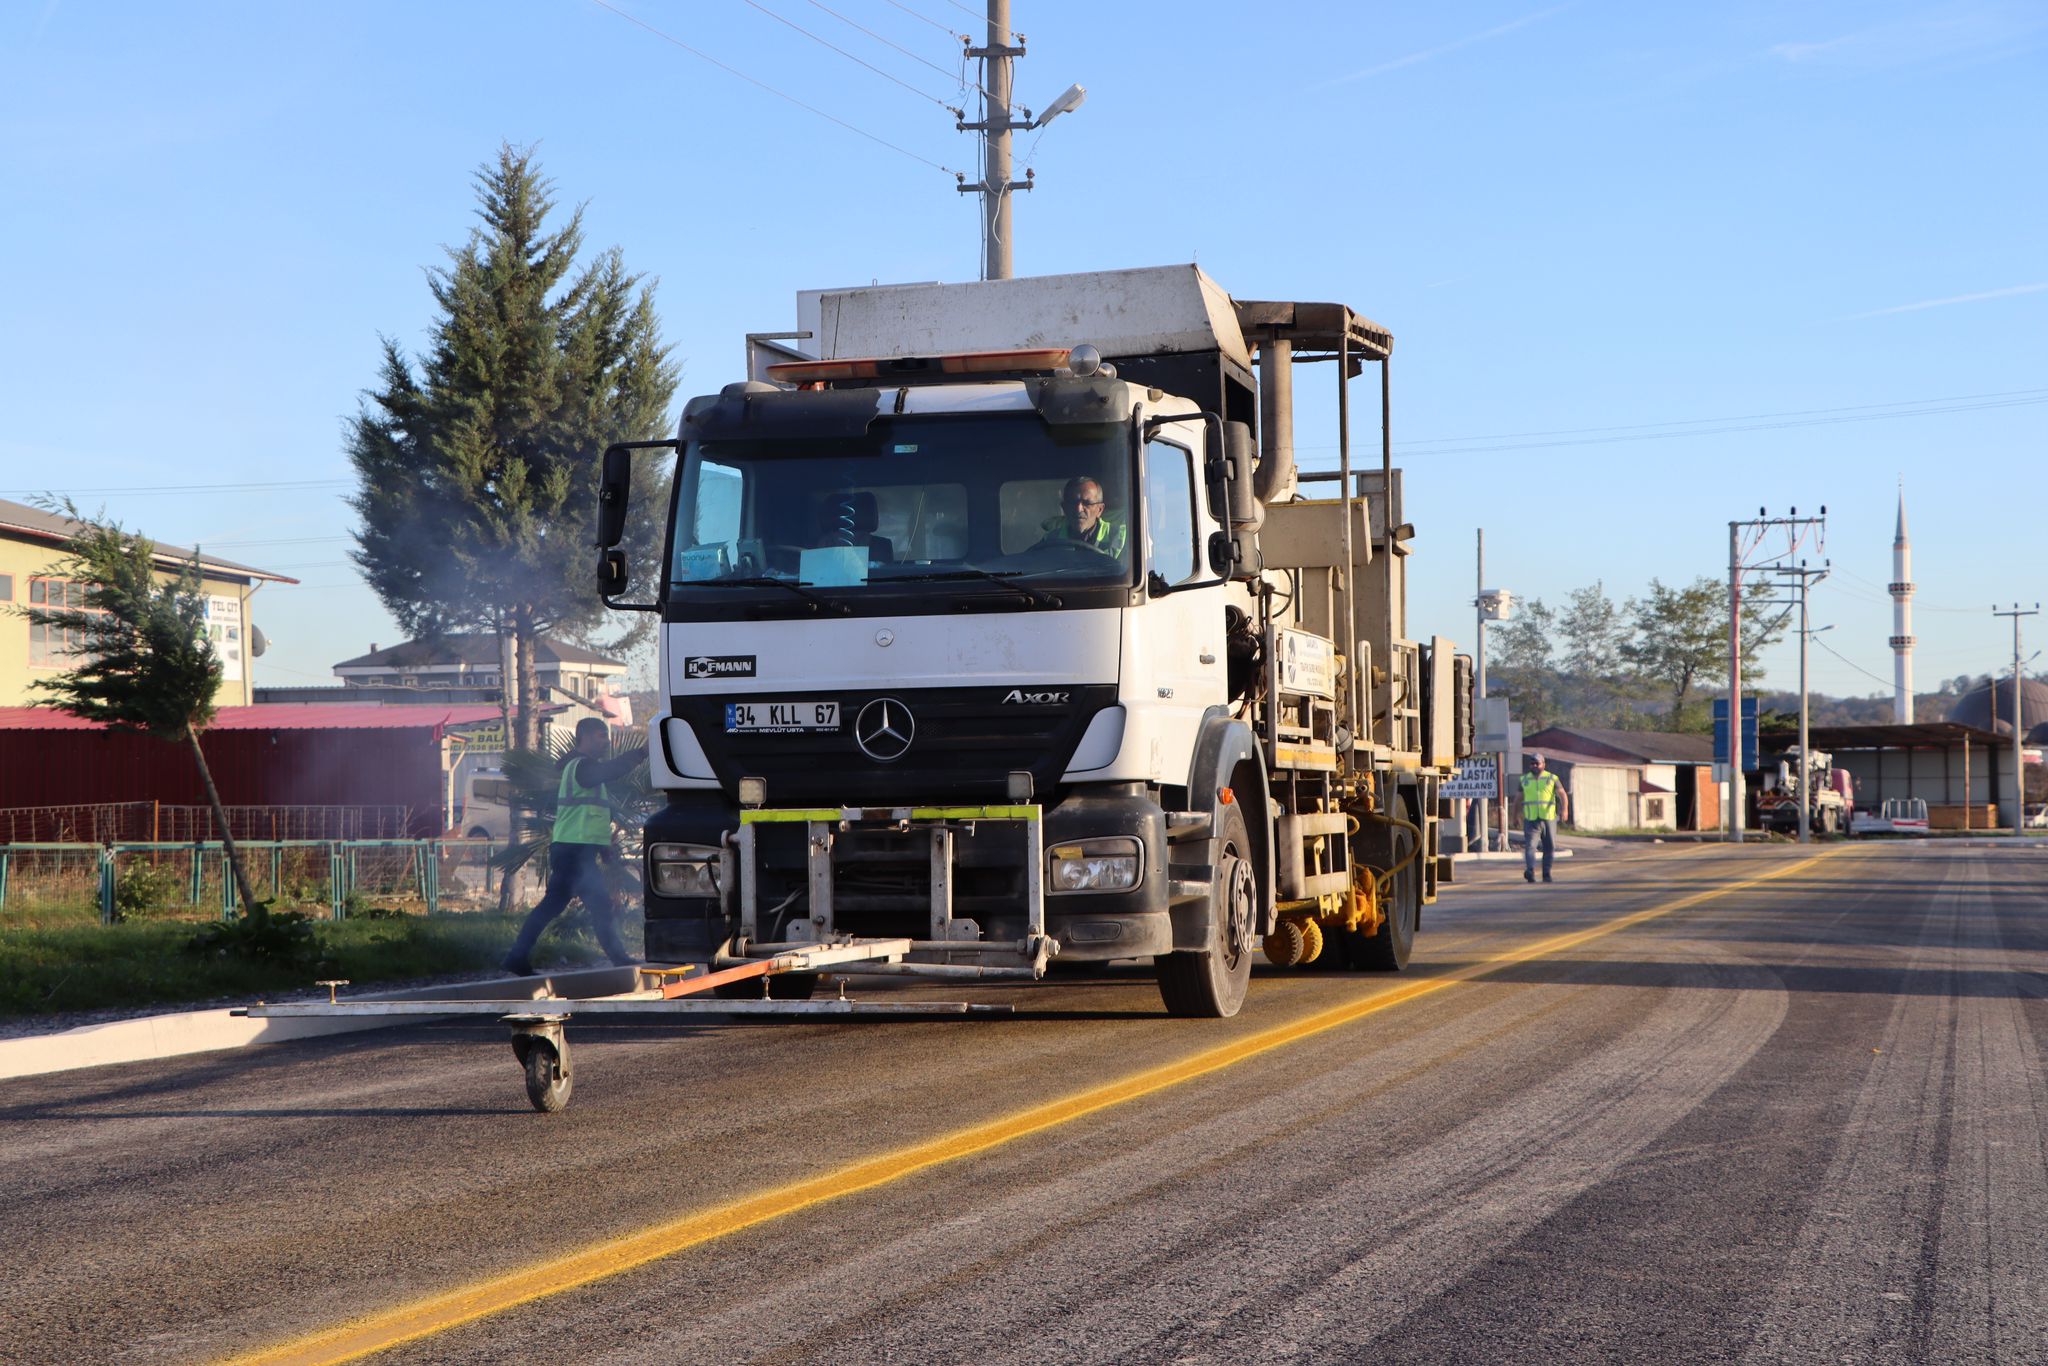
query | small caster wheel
[543, 1053]
[548, 1083]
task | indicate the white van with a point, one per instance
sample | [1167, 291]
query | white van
[484, 808]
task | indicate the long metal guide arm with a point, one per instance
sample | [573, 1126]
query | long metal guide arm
[668, 996]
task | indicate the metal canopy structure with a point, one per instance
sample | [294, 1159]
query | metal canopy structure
[1920, 735]
[1331, 328]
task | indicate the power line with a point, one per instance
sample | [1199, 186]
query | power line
[825, 42]
[1735, 417]
[915, 57]
[1647, 434]
[781, 95]
[2024, 396]
[927, 19]
[271, 486]
[1918, 605]
[964, 9]
[1850, 662]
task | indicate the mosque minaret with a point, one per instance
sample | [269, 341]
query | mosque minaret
[1902, 619]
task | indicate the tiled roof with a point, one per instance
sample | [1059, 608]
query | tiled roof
[59, 529]
[1641, 746]
[469, 649]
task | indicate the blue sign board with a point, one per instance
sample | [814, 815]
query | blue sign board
[1749, 740]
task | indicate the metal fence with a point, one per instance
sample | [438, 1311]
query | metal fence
[151, 822]
[331, 877]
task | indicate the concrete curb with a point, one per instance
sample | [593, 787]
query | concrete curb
[207, 1031]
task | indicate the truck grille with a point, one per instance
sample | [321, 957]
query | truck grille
[967, 742]
[881, 878]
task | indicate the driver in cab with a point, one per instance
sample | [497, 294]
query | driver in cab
[1082, 521]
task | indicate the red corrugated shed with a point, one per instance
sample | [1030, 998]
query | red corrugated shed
[313, 755]
[286, 716]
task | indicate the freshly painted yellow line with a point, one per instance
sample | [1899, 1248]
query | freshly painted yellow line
[450, 1309]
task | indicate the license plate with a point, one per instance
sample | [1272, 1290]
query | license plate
[771, 717]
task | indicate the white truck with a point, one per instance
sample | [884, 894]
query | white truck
[995, 628]
[1831, 796]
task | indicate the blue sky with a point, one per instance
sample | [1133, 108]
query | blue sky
[1776, 254]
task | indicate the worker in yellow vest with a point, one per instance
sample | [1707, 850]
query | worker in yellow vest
[1544, 803]
[582, 840]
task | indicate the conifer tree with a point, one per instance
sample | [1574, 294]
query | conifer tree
[479, 459]
[143, 658]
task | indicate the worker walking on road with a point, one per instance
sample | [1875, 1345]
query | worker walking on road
[582, 842]
[1544, 804]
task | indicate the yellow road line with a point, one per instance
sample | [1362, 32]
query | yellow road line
[495, 1294]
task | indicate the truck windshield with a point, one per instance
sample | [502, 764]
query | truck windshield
[938, 504]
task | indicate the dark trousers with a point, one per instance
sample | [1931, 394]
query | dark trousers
[1532, 833]
[574, 870]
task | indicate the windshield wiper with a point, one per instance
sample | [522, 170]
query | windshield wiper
[1002, 579]
[761, 581]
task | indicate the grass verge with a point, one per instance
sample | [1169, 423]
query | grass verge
[53, 967]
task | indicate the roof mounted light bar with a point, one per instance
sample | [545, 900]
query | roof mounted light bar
[1040, 361]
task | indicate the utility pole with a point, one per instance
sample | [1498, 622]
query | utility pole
[1479, 680]
[1735, 792]
[2019, 775]
[1807, 578]
[1743, 538]
[998, 58]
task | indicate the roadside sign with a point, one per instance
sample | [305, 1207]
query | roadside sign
[1476, 779]
[1491, 731]
[1749, 732]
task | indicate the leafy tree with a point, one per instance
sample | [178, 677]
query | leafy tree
[1524, 641]
[1519, 663]
[478, 461]
[144, 662]
[1594, 631]
[1681, 638]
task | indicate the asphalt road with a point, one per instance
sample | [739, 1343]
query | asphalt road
[1796, 1112]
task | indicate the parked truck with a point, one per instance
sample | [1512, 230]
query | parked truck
[995, 626]
[1831, 796]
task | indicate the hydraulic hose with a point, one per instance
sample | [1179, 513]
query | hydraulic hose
[1380, 880]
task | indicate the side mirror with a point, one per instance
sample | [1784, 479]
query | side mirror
[614, 489]
[611, 574]
[1220, 558]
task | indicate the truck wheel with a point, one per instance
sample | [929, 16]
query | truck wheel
[1390, 948]
[548, 1082]
[1210, 984]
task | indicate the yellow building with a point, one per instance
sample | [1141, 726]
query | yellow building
[33, 544]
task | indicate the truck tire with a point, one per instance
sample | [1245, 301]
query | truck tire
[1389, 949]
[1210, 984]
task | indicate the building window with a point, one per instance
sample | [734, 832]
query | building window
[54, 647]
[6, 588]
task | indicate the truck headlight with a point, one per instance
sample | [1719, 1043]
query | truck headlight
[1105, 865]
[683, 869]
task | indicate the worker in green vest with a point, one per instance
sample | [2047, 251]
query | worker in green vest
[582, 841]
[1544, 803]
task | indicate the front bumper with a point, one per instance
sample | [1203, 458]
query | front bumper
[967, 884]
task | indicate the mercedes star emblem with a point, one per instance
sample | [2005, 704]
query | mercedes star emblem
[884, 730]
